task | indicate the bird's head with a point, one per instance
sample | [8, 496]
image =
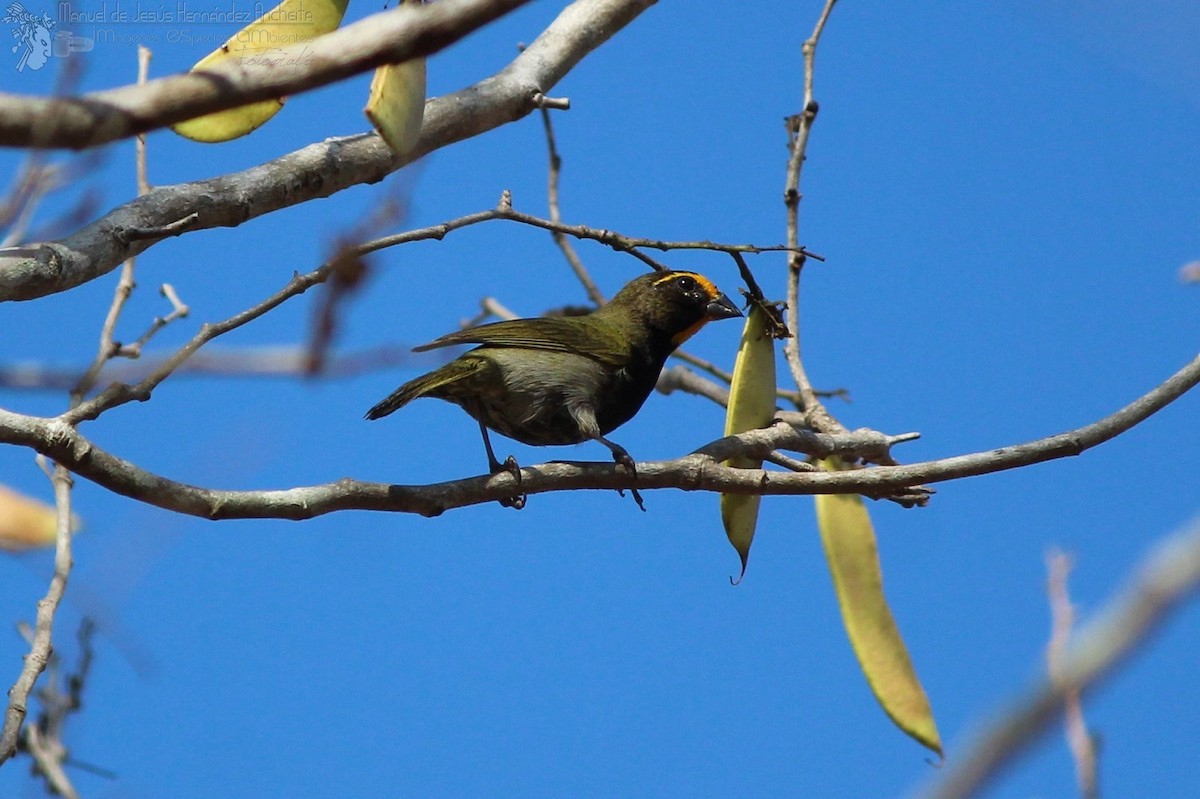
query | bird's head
[675, 303]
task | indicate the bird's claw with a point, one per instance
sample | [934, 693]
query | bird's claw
[622, 458]
[517, 501]
[510, 466]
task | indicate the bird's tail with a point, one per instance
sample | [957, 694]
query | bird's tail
[395, 401]
[429, 385]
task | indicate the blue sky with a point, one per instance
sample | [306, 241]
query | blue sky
[1004, 194]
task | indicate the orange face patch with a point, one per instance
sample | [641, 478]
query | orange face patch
[684, 335]
[701, 281]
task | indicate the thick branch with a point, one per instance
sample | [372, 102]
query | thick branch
[316, 171]
[390, 37]
[700, 471]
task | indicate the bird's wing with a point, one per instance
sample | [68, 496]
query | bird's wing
[557, 334]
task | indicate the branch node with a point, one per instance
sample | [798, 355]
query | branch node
[128, 235]
[557, 103]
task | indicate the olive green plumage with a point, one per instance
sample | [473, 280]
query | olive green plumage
[563, 380]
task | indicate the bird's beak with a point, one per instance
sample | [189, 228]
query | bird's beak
[722, 308]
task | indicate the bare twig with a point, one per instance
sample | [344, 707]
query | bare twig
[556, 103]
[283, 361]
[493, 307]
[1062, 614]
[178, 311]
[50, 756]
[39, 652]
[1164, 579]
[119, 394]
[727, 377]
[680, 378]
[348, 272]
[700, 471]
[37, 179]
[143, 177]
[125, 284]
[390, 37]
[618, 241]
[128, 235]
[59, 697]
[564, 244]
[779, 459]
[799, 128]
[320, 169]
[33, 182]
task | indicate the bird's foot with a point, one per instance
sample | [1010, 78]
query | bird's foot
[622, 458]
[517, 501]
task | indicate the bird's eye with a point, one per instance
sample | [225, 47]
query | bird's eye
[686, 283]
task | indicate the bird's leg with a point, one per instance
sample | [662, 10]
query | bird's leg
[622, 458]
[510, 465]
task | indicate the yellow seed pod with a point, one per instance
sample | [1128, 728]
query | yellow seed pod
[850, 548]
[288, 23]
[751, 406]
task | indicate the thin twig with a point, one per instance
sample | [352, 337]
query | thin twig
[1062, 614]
[60, 696]
[178, 311]
[143, 179]
[617, 241]
[557, 103]
[174, 228]
[1168, 576]
[704, 366]
[727, 377]
[680, 378]
[564, 244]
[347, 276]
[35, 661]
[108, 348]
[494, 307]
[119, 394]
[282, 361]
[799, 128]
[779, 459]
[35, 180]
[39, 652]
[50, 757]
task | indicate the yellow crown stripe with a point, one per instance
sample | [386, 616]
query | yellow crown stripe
[701, 280]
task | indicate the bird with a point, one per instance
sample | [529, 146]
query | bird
[561, 380]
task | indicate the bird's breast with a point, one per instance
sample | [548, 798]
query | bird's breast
[553, 398]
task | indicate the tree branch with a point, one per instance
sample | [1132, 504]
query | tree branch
[390, 37]
[281, 361]
[799, 129]
[1062, 619]
[40, 649]
[318, 170]
[700, 471]
[1165, 579]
